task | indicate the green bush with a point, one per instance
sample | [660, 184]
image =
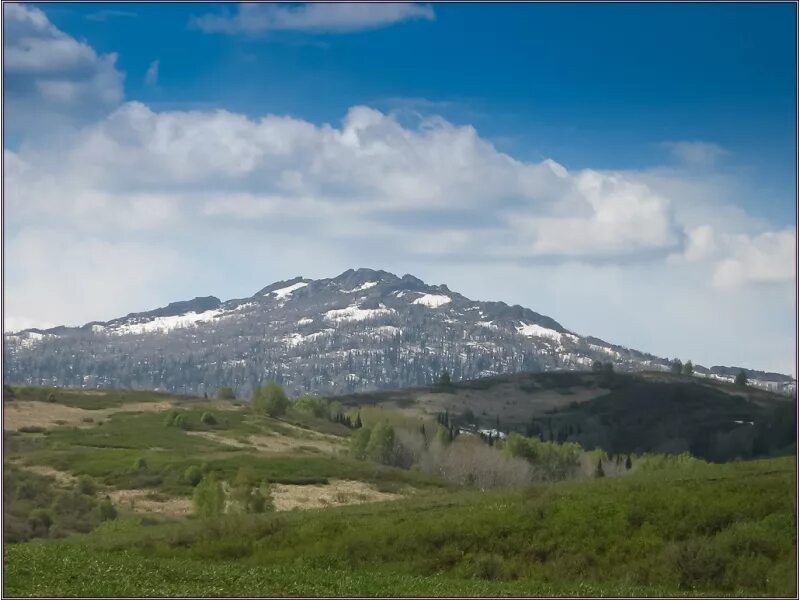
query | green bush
[169, 420]
[270, 399]
[193, 475]
[226, 393]
[86, 485]
[208, 418]
[140, 464]
[106, 510]
[248, 495]
[312, 405]
[209, 497]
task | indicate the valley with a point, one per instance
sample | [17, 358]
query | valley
[95, 480]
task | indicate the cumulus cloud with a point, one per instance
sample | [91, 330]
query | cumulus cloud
[50, 77]
[697, 154]
[151, 76]
[218, 163]
[321, 17]
[766, 258]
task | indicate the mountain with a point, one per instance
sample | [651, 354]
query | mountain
[362, 330]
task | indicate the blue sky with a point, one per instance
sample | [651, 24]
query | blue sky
[588, 85]
[685, 112]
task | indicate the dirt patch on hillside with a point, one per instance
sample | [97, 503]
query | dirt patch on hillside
[33, 413]
[147, 501]
[282, 443]
[140, 407]
[276, 443]
[221, 439]
[338, 492]
[62, 477]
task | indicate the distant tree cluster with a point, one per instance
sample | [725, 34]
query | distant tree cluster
[680, 368]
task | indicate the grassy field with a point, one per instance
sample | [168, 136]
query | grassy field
[669, 526]
[708, 530]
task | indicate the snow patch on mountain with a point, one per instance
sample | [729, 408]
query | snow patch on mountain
[433, 300]
[284, 293]
[166, 324]
[296, 339]
[362, 287]
[355, 313]
[305, 321]
[533, 330]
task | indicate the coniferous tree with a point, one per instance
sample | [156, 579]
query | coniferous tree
[628, 463]
[688, 368]
[598, 472]
[741, 379]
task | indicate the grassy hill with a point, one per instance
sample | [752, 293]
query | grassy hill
[623, 413]
[98, 492]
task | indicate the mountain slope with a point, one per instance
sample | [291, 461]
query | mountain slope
[364, 329]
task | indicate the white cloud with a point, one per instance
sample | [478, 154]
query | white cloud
[766, 258]
[50, 77]
[698, 154]
[320, 17]
[151, 76]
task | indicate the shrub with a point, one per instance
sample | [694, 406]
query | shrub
[247, 495]
[193, 475]
[208, 418]
[106, 510]
[181, 421]
[312, 405]
[51, 397]
[208, 498]
[169, 420]
[86, 486]
[270, 399]
[140, 464]
[550, 460]
[226, 393]
[488, 566]
[32, 429]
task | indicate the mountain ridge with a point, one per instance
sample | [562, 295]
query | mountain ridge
[363, 329]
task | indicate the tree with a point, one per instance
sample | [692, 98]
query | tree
[469, 416]
[628, 463]
[381, 443]
[741, 379]
[358, 424]
[270, 399]
[676, 366]
[209, 497]
[358, 443]
[598, 472]
[688, 368]
[248, 495]
[444, 379]
[226, 393]
[597, 366]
